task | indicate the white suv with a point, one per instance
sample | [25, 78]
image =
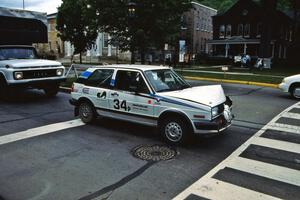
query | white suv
[151, 95]
[20, 68]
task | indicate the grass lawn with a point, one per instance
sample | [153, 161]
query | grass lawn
[262, 79]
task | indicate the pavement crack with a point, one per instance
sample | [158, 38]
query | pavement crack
[246, 93]
[120, 183]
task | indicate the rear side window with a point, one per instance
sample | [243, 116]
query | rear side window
[100, 78]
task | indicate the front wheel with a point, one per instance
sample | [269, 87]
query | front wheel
[296, 92]
[86, 112]
[175, 131]
[51, 91]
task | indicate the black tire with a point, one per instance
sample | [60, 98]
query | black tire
[293, 92]
[175, 130]
[3, 87]
[51, 91]
[87, 112]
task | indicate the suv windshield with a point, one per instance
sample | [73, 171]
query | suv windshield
[10, 53]
[164, 80]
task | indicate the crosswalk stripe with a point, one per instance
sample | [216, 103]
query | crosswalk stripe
[218, 190]
[291, 115]
[277, 144]
[283, 129]
[267, 170]
[286, 126]
[40, 131]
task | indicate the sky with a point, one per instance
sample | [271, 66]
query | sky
[48, 6]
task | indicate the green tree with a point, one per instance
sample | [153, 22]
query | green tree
[74, 25]
[153, 24]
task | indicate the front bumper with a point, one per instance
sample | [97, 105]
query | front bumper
[36, 83]
[216, 126]
[284, 87]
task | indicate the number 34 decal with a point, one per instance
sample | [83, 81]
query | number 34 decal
[121, 105]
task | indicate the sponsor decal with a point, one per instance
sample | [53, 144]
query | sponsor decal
[101, 95]
[86, 90]
[85, 74]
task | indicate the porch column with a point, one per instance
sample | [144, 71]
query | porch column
[284, 52]
[226, 50]
[273, 50]
[109, 47]
[206, 48]
[245, 48]
[100, 44]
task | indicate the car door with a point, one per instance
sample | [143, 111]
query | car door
[130, 98]
[98, 87]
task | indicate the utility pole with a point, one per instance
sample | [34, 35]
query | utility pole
[23, 4]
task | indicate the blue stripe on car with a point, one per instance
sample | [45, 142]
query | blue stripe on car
[160, 98]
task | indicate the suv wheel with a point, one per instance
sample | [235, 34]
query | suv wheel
[175, 131]
[3, 87]
[51, 91]
[86, 112]
[295, 92]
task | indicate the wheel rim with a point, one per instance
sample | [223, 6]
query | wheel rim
[297, 93]
[173, 132]
[86, 111]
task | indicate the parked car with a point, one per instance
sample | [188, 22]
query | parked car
[291, 84]
[151, 95]
[21, 68]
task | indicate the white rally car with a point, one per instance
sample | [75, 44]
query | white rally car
[151, 95]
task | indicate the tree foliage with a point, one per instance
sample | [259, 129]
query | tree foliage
[154, 22]
[74, 25]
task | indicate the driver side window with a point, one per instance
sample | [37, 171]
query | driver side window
[100, 78]
[131, 81]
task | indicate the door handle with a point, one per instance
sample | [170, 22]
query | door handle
[114, 94]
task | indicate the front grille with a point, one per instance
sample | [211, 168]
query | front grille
[39, 74]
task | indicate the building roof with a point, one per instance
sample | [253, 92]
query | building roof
[199, 4]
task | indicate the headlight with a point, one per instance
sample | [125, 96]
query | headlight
[59, 72]
[18, 75]
[215, 111]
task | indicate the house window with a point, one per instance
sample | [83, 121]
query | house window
[222, 31]
[228, 31]
[259, 30]
[105, 41]
[240, 30]
[247, 30]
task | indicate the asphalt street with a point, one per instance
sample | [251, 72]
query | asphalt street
[96, 161]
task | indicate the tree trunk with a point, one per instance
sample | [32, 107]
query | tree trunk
[80, 57]
[143, 61]
[132, 49]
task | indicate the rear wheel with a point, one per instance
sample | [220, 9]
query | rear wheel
[175, 130]
[86, 112]
[51, 91]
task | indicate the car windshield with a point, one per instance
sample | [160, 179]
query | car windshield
[164, 80]
[11, 53]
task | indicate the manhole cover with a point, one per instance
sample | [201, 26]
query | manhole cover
[154, 152]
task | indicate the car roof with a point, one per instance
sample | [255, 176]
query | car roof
[134, 67]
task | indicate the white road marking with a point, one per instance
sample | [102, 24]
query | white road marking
[211, 188]
[291, 115]
[218, 190]
[43, 130]
[277, 144]
[267, 170]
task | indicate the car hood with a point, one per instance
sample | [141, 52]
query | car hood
[25, 63]
[293, 78]
[208, 95]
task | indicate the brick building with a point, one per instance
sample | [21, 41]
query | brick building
[197, 27]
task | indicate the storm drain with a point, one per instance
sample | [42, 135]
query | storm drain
[154, 152]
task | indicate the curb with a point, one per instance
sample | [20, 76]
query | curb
[276, 86]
